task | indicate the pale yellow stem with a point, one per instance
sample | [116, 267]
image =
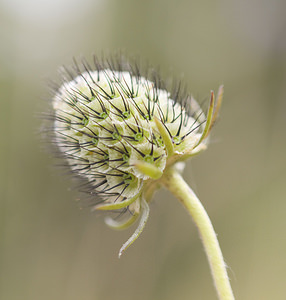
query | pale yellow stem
[179, 188]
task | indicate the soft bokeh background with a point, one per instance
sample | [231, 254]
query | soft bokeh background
[49, 249]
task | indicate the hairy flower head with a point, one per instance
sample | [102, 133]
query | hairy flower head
[120, 130]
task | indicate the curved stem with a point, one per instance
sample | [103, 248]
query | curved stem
[174, 182]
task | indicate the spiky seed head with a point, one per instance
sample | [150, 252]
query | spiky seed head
[120, 130]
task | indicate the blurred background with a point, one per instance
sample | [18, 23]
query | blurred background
[49, 248]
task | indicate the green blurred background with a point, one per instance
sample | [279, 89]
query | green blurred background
[50, 249]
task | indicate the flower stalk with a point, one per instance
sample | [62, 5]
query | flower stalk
[174, 182]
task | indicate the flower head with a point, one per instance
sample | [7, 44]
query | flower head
[120, 130]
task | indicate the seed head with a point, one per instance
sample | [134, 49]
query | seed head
[120, 131]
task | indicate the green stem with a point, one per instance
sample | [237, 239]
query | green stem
[179, 188]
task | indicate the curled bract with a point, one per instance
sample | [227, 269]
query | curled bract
[120, 131]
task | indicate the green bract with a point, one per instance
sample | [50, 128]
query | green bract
[120, 131]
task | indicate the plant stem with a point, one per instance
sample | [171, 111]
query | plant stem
[174, 182]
